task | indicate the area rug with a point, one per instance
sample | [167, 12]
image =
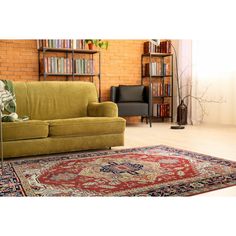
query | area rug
[147, 171]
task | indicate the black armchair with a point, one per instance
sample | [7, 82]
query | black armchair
[133, 100]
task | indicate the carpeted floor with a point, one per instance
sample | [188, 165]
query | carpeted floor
[147, 171]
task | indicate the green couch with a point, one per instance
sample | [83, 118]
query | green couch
[64, 117]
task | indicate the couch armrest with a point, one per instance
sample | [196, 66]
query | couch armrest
[103, 109]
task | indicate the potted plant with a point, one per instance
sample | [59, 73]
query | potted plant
[97, 42]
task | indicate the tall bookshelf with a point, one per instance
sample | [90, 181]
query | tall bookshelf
[68, 60]
[157, 71]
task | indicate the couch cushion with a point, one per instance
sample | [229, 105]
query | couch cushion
[131, 93]
[48, 100]
[132, 109]
[86, 126]
[25, 130]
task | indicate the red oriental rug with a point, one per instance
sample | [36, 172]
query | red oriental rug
[148, 171]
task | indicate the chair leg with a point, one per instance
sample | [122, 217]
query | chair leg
[142, 119]
[146, 120]
[150, 121]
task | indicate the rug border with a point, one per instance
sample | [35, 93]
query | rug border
[85, 154]
[25, 185]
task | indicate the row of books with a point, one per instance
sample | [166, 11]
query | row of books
[155, 69]
[160, 89]
[62, 43]
[164, 47]
[84, 66]
[61, 65]
[161, 110]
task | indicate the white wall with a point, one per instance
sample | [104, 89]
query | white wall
[214, 67]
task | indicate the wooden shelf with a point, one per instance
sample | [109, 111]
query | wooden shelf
[156, 76]
[153, 54]
[162, 76]
[59, 74]
[162, 97]
[70, 50]
[44, 53]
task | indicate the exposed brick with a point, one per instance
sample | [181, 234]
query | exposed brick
[120, 63]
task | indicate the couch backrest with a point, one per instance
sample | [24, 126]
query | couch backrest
[54, 100]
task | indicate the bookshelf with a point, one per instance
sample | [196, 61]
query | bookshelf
[157, 71]
[68, 60]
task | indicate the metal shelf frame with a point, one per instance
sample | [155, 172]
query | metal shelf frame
[151, 57]
[68, 51]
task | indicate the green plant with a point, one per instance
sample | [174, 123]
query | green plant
[97, 42]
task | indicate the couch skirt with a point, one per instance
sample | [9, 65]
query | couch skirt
[52, 145]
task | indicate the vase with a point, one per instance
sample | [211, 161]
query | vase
[182, 113]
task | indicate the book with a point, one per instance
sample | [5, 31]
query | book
[46, 65]
[150, 48]
[163, 110]
[154, 89]
[154, 110]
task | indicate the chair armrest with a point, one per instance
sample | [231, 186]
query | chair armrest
[114, 93]
[103, 109]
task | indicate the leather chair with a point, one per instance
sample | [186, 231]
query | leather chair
[133, 100]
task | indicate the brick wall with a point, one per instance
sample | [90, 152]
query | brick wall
[18, 60]
[120, 63]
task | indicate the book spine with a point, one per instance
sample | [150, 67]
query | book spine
[62, 65]
[164, 69]
[74, 43]
[65, 65]
[154, 110]
[52, 64]
[168, 46]
[83, 44]
[45, 64]
[91, 67]
[77, 66]
[68, 65]
[154, 89]
[59, 65]
[69, 68]
[80, 66]
[56, 64]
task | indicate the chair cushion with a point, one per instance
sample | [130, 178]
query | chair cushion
[132, 109]
[30, 129]
[131, 93]
[86, 126]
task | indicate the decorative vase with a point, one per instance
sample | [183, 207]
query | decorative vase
[182, 112]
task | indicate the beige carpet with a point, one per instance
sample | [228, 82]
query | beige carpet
[218, 141]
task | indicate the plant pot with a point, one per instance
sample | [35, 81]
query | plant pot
[90, 46]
